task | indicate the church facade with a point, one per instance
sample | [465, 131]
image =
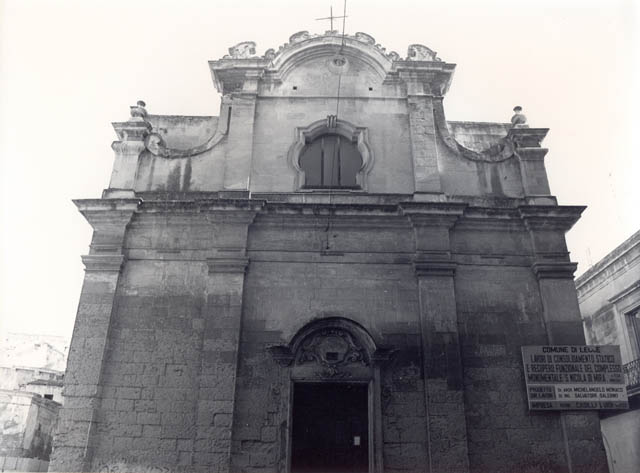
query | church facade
[328, 276]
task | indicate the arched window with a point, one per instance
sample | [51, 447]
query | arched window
[330, 161]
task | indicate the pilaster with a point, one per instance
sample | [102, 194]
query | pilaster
[131, 134]
[561, 317]
[444, 390]
[239, 153]
[222, 328]
[423, 132]
[531, 155]
[72, 449]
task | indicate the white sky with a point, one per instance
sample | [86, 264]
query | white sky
[70, 68]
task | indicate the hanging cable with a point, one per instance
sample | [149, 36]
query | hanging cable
[334, 121]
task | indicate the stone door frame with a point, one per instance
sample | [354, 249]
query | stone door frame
[361, 363]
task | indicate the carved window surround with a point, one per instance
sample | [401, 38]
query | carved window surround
[358, 135]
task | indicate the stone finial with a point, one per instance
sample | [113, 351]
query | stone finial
[270, 54]
[518, 120]
[419, 52]
[138, 110]
[243, 50]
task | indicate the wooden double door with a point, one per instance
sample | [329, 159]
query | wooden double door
[330, 431]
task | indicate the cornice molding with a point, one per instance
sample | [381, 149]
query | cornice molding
[103, 263]
[550, 217]
[523, 137]
[433, 268]
[101, 213]
[554, 270]
[228, 265]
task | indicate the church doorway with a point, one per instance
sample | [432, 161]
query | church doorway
[330, 428]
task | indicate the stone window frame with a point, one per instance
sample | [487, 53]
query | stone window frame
[632, 320]
[358, 135]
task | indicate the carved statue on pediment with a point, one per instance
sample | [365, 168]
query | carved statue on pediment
[243, 50]
[419, 52]
[299, 36]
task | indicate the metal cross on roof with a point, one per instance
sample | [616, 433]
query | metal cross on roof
[331, 17]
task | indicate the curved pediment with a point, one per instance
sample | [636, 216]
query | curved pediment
[303, 47]
[242, 65]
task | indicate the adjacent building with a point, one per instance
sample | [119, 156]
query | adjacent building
[31, 378]
[609, 297]
[327, 276]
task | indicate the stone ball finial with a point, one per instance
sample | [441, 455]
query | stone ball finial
[518, 120]
[138, 110]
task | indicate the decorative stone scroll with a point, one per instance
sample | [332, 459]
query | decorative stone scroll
[365, 38]
[156, 145]
[419, 52]
[299, 36]
[243, 50]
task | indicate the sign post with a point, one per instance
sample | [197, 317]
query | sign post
[566, 377]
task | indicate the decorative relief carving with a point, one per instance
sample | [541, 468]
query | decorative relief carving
[419, 52]
[243, 50]
[299, 36]
[155, 143]
[394, 56]
[365, 38]
[502, 150]
[269, 54]
[331, 348]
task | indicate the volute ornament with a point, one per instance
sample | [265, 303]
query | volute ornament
[394, 56]
[365, 38]
[156, 145]
[243, 50]
[269, 54]
[419, 52]
[299, 36]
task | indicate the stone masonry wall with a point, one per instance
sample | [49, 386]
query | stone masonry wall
[151, 375]
[289, 284]
[499, 311]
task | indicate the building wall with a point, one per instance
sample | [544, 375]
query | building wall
[209, 266]
[620, 434]
[28, 422]
[608, 293]
[170, 395]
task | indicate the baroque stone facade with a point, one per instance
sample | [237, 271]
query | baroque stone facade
[232, 287]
